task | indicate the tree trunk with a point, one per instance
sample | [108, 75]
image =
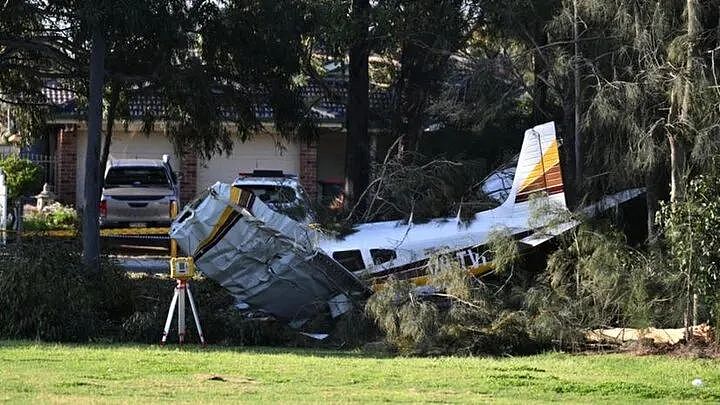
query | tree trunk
[540, 88]
[677, 169]
[373, 154]
[417, 96]
[357, 148]
[693, 34]
[652, 198]
[579, 161]
[112, 108]
[567, 151]
[421, 68]
[91, 197]
[396, 126]
[678, 147]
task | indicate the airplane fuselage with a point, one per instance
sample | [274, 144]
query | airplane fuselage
[375, 249]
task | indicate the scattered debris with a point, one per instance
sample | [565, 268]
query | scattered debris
[316, 336]
[701, 334]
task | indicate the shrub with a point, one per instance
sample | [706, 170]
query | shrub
[52, 217]
[459, 314]
[47, 294]
[595, 280]
[23, 177]
[690, 228]
[222, 323]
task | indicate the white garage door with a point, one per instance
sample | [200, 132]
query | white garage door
[260, 152]
[128, 145]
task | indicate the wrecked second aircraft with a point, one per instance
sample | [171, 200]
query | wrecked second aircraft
[276, 265]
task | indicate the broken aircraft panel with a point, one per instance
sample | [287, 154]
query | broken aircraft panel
[264, 259]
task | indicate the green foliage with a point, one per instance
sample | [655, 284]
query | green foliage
[691, 229]
[411, 324]
[595, 280]
[49, 295]
[504, 249]
[53, 217]
[22, 176]
[458, 314]
[252, 55]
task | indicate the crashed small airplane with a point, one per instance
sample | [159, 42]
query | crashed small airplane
[278, 266]
[401, 249]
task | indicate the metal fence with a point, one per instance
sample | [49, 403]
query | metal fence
[6, 150]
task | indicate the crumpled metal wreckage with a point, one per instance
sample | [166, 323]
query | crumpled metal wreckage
[266, 260]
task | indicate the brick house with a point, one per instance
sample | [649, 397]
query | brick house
[319, 164]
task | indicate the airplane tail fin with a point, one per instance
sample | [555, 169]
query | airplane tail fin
[538, 169]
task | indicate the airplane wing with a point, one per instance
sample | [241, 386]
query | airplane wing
[612, 201]
[597, 208]
[266, 260]
[551, 232]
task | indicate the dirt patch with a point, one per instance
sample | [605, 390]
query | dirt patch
[696, 351]
[645, 347]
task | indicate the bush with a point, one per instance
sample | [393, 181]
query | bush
[690, 228]
[47, 294]
[459, 315]
[222, 323]
[595, 280]
[23, 177]
[52, 217]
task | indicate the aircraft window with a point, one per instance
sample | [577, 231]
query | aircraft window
[351, 259]
[497, 185]
[271, 194]
[381, 256]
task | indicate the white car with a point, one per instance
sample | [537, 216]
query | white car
[139, 193]
[281, 192]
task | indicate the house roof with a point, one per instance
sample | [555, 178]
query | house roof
[323, 108]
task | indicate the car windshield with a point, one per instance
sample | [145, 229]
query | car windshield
[272, 194]
[136, 177]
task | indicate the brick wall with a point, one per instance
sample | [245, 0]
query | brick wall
[66, 177]
[188, 182]
[308, 167]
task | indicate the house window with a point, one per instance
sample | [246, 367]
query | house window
[381, 256]
[351, 259]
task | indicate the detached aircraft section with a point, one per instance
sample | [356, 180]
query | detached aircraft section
[266, 260]
[273, 264]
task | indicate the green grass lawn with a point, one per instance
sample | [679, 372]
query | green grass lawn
[96, 373]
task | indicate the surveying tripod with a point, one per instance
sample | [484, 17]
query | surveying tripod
[182, 288]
